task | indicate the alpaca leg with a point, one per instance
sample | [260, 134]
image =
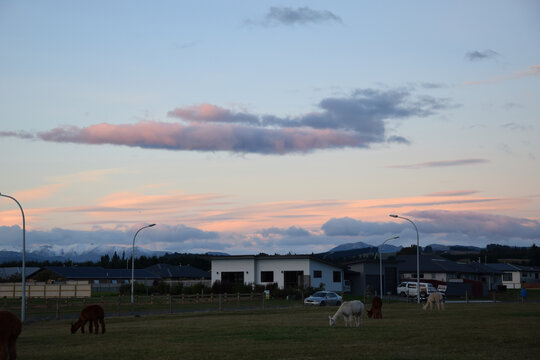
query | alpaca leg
[82, 327]
[12, 349]
[4, 349]
[96, 326]
[102, 321]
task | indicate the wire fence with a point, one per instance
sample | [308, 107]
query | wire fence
[39, 309]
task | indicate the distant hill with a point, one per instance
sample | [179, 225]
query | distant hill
[92, 254]
[361, 245]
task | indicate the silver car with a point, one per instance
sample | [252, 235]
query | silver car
[322, 298]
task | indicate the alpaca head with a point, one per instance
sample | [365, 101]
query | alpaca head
[73, 328]
[331, 321]
[370, 313]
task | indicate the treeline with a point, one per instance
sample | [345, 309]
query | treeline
[494, 253]
[123, 262]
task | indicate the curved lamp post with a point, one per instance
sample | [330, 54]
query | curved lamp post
[23, 276]
[133, 260]
[380, 263]
[417, 256]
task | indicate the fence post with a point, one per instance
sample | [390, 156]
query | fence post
[118, 305]
[238, 299]
[219, 300]
[263, 300]
[57, 308]
[466, 297]
[170, 304]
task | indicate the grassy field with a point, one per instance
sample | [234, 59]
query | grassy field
[463, 331]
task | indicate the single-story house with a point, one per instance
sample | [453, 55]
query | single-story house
[99, 275]
[288, 271]
[514, 276]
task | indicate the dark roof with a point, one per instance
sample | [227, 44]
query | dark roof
[503, 267]
[7, 272]
[434, 264]
[276, 257]
[180, 272]
[97, 272]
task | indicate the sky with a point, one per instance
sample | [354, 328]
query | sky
[264, 126]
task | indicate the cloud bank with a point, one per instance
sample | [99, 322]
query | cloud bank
[356, 121]
[435, 226]
[446, 227]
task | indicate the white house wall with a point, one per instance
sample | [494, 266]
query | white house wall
[234, 265]
[252, 269]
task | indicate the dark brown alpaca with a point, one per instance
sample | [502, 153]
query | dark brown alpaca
[10, 329]
[376, 308]
[91, 314]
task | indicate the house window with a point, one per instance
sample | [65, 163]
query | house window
[507, 277]
[232, 277]
[317, 274]
[337, 276]
[267, 276]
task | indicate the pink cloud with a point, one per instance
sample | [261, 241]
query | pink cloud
[206, 137]
[533, 70]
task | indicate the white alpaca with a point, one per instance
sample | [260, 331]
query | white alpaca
[349, 310]
[434, 297]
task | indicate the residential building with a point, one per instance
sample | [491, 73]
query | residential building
[296, 271]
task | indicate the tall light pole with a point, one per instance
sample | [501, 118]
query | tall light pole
[133, 260]
[417, 256]
[23, 275]
[380, 263]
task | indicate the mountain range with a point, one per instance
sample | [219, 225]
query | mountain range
[94, 253]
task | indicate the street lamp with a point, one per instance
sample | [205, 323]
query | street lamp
[133, 260]
[380, 263]
[23, 297]
[417, 256]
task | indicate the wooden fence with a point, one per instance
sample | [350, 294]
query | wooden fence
[43, 290]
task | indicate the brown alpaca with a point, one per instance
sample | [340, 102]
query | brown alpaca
[91, 314]
[376, 308]
[10, 329]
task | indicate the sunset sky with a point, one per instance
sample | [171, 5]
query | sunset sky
[263, 126]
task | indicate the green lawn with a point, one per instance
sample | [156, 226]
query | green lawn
[463, 331]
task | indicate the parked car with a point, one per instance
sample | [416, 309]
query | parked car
[408, 288]
[322, 298]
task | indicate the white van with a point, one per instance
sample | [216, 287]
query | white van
[408, 288]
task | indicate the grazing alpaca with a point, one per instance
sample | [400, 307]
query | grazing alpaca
[91, 314]
[434, 297]
[376, 308]
[10, 328]
[349, 310]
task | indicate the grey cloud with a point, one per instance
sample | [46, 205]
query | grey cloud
[481, 55]
[442, 163]
[355, 121]
[299, 16]
[452, 227]
[495, 227]
[291, 231]
[350, 227]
